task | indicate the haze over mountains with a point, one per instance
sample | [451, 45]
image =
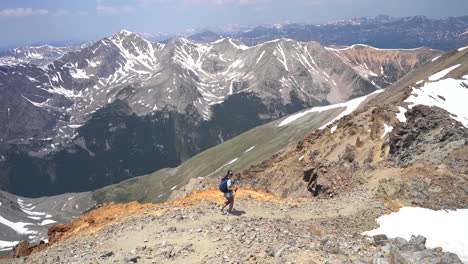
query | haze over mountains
[381, 31]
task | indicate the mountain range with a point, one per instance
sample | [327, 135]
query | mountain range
[382, 32]
[124, 106]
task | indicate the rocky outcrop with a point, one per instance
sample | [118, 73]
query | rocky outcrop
[398, 250]
[427, 136]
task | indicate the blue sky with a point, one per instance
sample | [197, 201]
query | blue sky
[30, 21]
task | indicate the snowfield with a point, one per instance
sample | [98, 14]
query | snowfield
[446, 229]
[448, 94]
[7, 245]
[442, 73]
[350, 105]
[19, 227]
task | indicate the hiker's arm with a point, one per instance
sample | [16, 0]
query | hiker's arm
[232, 188]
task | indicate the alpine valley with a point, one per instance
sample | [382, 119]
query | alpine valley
[77, 119]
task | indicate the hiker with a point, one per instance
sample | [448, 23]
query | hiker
[227, 187]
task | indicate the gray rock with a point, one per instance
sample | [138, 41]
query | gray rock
[450, 258]
[380, 239]
[280, 251]
[418, 243]
[269, 252]
[389, 254]
[227, 228]
[400, 243]
[107, 254]
[331, 247]
[131, 259]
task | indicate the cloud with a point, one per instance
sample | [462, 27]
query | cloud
[102, 9]
[106, 7]
[63, 12]
[222, 2]
[82, 13]
[22, 12]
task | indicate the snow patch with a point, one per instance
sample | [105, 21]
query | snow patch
[7, 245]
[19, 227]
[434, 59]
[463, 48]
[350, 105]
[232, 161]
[442, 73]
[78, 74]
[249, 149]
[387, 129]
[451, 233]
[401, 114]
[47, 222]
[448, 94]
[332, 130]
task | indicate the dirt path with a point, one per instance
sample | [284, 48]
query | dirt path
[193, 230]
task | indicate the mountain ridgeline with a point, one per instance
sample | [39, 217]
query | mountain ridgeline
[381, 31]
[124, 106]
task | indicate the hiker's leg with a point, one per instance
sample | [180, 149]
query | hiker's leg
[231, 203]
[226, 203]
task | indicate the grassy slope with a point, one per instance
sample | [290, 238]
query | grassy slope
[267, 139]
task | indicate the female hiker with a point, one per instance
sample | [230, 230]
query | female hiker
[227, 187]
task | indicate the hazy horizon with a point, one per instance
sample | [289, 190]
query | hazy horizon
[52, 21]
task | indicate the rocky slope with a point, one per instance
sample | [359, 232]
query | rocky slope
[409, 140]
[382, 32]
[124, 106]
[264, 229]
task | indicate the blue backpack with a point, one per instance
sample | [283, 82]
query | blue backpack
[223, 186]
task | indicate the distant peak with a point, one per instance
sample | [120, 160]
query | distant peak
[125, 32]
[122, 34]
[181, 40]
